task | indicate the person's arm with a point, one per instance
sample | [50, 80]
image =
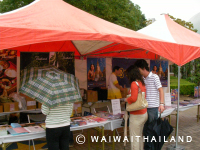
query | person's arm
[45, 110]
[119, 87]
[89, 75]
[115, 82]
[162, 103]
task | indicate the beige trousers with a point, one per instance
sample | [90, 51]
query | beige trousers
[136, 124]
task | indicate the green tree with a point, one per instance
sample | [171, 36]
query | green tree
[9, 5]
[185, 24]
[121, 12]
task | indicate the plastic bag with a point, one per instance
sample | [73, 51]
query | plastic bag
[20, 99]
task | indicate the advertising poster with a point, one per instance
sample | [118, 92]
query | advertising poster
[196, 89]
[33, 59]
[123, 64]
[8, 72]
[174, 94]
[96, 73]
[63, 61]
[160, 67]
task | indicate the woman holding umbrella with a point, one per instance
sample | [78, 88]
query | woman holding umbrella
[137, 118]
[58, 126]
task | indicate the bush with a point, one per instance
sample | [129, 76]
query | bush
[186, 87]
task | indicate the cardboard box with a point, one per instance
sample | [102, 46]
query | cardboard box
[39, 105]
[92, 96]
[30, 102]
[12, 106]
[77, 108]
[1, 108]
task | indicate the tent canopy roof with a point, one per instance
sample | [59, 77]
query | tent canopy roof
[45, 26]
[168, 30]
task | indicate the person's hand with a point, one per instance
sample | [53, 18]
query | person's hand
[161, 108]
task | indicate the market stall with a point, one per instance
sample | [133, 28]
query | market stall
[59, 27]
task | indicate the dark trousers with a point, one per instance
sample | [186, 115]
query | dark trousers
[58, 138]
[71, 140]
[147, 131]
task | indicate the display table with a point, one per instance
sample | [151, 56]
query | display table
[42, 134]
[21, 111]
[166, 112]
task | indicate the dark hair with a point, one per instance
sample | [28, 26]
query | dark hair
[133, 74]
[115, 68]
[91, 66]
[141, 63]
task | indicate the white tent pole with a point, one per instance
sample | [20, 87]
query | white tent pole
[177, 119]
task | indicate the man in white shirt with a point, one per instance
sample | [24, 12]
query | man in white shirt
[154, 96]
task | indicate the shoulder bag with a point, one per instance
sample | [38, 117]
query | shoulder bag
[140, 103]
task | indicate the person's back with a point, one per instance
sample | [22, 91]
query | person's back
[58, 126]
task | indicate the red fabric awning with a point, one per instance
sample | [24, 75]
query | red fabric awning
[54, 25]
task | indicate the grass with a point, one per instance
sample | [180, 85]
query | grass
[186, 87]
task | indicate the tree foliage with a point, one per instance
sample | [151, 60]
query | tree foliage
[121, 12]
[9, 5]
[185, 24]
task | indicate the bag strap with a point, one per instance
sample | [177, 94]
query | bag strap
[139, 90]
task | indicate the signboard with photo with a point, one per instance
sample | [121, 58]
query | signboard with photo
[96, 73]
[174, 94]
[8, 72]
[160, 68]
[63, 60]
[33, 59]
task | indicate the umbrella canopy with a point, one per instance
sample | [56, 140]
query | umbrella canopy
[168, 30]
[50, 86]
[54, 25]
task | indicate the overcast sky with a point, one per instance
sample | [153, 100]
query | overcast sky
[183, 9]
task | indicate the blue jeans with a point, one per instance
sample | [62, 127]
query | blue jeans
[152, 115]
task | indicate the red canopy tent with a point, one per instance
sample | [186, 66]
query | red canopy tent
[168, 30]
[45, 26]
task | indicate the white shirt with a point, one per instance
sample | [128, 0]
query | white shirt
[152, 83]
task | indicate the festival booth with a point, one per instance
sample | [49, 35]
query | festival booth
[60, 27]
[56, 27]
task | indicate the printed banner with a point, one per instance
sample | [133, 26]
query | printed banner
[8, 72]
[160, 68]
[63, 61]
[96, 73]
[196, 91]
[123, 64]
[30, 59]
[174, 94]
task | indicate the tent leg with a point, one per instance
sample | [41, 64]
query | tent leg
[177, 119]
